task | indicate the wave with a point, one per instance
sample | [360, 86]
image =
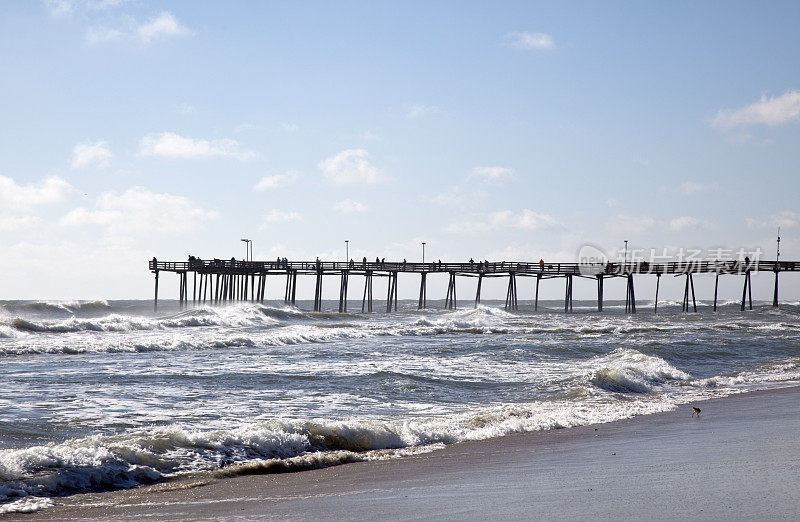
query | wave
[101, 463]
[184, 341]
[630, 371]
[234, 316]
[57, 306]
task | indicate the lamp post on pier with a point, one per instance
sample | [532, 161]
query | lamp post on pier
[625, 259]
[346, 250]
[248, 245]
[423, 252]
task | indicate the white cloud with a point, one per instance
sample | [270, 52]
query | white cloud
[772, 111]
[279, 216]
[351, 166]
[527, 220]
[452, 196]
[276, 181]
[784, 219]
[625, 224]
[163, 25]
[172, 145]
[138, 211]
[96, 35]
[12, 223]
[91, 153]
[682, 223]
[492, 173]
[691, 187]
[102, 5]
[526, 40]
[187, 108]
[290, 127]
[348, 206]
[420, 111]
[506, 219]
[19, 197]
[59, 7]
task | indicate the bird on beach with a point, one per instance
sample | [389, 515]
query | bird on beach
[696, 411]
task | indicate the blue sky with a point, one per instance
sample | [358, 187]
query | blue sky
[512, 130]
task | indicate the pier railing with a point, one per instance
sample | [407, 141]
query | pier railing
[497, 267]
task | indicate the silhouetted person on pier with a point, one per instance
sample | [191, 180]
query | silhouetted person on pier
[352, 264]
[541, 264]
[404, 263]
[377, 261]
[317, 262]
[471, 262]
[365, 262]
[383, 262]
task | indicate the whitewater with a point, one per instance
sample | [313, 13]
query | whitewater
[107, 395]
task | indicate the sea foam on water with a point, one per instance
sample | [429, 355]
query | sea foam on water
[107, 395]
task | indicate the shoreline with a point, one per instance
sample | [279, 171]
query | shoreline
[740, 458]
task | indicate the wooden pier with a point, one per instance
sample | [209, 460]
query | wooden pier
[219, 281]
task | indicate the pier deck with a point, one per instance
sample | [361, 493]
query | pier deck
[222, 281]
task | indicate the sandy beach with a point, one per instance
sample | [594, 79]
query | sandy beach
[739, 460]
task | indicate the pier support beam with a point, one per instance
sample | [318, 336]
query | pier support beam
[155, 297]
[450, 300]
[391, 292]
[423, 292]
[716, 287]
[630, 297]
[343, 291]
[366, 302]
[747, 291]
[600, 292]
[658, 284]
[689, 284]
[185, 291]
[511, 293]
[478, 291]
[536, 295]
[568, 294]
[775, 293]
[318, 293]
[291, 283]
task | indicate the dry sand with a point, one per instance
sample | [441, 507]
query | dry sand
[739, 460]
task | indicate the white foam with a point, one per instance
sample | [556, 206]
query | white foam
[26, 505]
[627, 370]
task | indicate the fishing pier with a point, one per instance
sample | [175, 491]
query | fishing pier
[218, 281]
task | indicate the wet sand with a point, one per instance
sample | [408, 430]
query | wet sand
[739, 460]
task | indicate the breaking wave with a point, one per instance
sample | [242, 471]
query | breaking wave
[100, 463]
[630, 371]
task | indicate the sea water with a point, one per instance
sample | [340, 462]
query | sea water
[107, 395]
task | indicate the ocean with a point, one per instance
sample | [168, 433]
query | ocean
[106, 395]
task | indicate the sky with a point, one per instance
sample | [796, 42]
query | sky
[489, 130]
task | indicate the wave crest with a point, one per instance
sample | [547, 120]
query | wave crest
[630, 371]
